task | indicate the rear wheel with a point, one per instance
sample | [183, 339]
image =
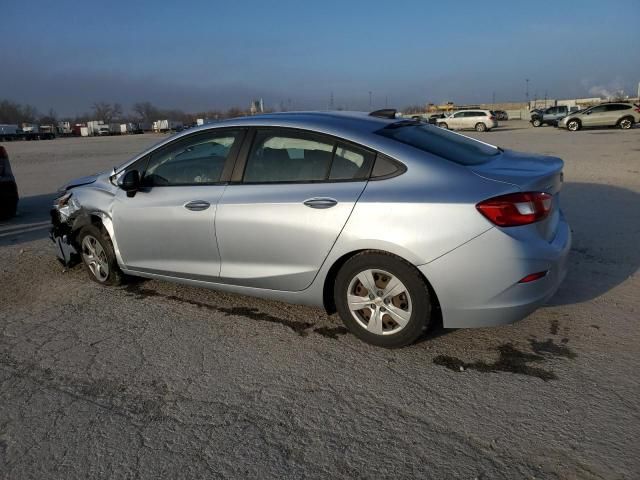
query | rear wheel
[573, 125]
[625, 123]
[481, 127]
[443, 125]
[382, 299]
[98, 256]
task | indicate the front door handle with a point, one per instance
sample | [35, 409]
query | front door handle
[197, 205]
[321, 202]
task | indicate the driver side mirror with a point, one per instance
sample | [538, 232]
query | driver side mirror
[130, 182]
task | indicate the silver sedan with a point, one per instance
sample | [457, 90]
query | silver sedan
[394, 224]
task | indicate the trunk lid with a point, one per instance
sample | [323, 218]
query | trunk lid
[529, 173]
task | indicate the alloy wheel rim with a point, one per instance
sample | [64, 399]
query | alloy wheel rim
[95, 258]
[625, 124]
[379, 302]
[573, 125]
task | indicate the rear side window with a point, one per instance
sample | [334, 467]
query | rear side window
[350, 163]
[616, 107]
[443, 143]
[293, 156]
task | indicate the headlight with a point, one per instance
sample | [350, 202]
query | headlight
[62, 201]
[66, 205]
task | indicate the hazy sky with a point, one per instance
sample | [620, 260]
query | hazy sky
[204, 55]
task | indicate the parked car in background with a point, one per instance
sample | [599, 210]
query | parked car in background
[501, 115]
[478, 120]
[551, 115]
[433, 119]
[614, 114]
[8, 187]
[390, 222]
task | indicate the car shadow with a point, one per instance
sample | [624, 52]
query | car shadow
[31, 223]
[605, 252]
[507, 129]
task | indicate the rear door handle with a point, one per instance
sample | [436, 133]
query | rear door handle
[197, 205]
[321, 202]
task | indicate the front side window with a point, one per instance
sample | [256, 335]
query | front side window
[599, 109]
[198, 159]
[280, 156]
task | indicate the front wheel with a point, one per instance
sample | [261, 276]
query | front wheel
[98, 256]
[573, 125]
[536, 122]
[382, 299]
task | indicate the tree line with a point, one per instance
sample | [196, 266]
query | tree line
[15, 113]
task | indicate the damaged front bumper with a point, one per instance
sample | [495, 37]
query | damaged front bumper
[61, 232]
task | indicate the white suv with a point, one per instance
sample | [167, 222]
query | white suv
[479, 120]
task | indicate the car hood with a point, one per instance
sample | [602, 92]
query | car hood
[79, 182]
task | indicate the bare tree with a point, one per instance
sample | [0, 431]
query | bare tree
[106, 112]
[145, 111]
[49, 119]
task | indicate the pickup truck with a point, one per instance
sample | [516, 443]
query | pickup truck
[551, 115]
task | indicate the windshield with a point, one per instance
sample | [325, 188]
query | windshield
[444, 143]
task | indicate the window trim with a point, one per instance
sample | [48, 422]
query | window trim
[227, 168]
[237, 177]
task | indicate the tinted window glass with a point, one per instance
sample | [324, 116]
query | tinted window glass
[350, 163]
[386, 167]
[444, 143]
[598, 109]
[284, 157]
[198, 159]
[615, 107]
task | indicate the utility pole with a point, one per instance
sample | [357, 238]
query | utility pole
[493, 99]
[545, 99]
[526, 92]
[370, 102]
[331, 101]
[386, 101]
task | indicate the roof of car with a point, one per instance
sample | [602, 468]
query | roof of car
[340, 123]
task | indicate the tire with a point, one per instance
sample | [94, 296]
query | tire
[574, 125]
[402, 316]
[625, 123]
[481, 127]
[94, 243]
[536, 122]
[443, 125]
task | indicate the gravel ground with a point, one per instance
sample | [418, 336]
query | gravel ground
[159, 380]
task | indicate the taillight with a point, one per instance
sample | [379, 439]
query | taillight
[516, 209]
[492, 118]
[533, 277]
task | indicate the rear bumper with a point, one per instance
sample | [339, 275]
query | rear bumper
[478, 285]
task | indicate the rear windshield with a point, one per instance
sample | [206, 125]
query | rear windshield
[444, 143]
